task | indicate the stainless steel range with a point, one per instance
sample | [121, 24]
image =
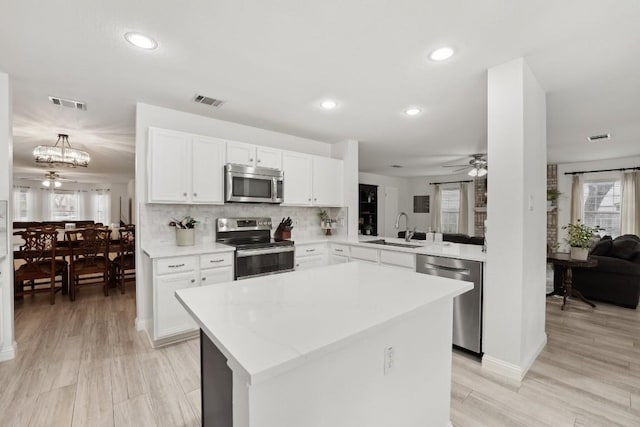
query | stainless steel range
[256, 253]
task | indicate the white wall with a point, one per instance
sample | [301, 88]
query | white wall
[146, 217]
[564, 183]
[420, 187]
[514, 303]
[7, 344]
[405, 203]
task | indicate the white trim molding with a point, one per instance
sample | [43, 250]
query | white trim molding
[509, 370]
[8, 352]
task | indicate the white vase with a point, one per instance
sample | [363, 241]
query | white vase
[580, 254]
[185, 236]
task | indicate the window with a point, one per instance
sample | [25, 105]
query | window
[64, 206]
[102, 203]
[602, 205]
[21, 204]
[450, 210]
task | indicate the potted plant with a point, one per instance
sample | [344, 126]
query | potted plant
[185, 230]
[552, 196]
[579, 237]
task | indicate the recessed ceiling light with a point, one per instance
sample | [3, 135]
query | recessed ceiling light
[412, 111]
[140, 40]
[329, 104]
[441, 54]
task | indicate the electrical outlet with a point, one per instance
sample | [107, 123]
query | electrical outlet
[389, 360]
[296, 221]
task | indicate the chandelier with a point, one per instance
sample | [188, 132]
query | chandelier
[61, 154]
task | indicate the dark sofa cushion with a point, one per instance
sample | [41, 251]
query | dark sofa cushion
[602, 247]
[625, 247]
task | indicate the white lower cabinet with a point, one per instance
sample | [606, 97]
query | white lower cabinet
[398, 259]
[338, 259]
[311, 255]
[170, 319]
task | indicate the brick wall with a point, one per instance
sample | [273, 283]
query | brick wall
[552, 215]
[480, 215]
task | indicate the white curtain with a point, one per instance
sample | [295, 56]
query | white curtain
[463, 216]
[630, 215]
[577, 205]
[435, 215]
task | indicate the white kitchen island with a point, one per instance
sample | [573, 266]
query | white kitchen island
[345, 345]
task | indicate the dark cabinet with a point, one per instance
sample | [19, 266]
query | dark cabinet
[368, 210]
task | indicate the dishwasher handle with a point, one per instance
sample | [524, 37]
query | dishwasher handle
[463, 271]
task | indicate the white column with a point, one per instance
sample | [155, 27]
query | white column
[514, 293]
[348, 152]
[7, 345]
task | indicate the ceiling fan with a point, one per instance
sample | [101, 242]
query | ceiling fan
[477, 166]
[52, 179]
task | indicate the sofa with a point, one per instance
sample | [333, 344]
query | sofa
[616, 278]
[448, 237]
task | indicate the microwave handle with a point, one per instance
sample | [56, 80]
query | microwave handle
[274, 189]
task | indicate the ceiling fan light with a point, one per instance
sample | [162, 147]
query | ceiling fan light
[473, 172]
[482, 172]
[46, 183]
[57, 184]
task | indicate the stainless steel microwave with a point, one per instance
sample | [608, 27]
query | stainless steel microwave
[253, 185]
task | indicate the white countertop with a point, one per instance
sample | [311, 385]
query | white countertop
[165, 250]
[268, 325]
[444, 249]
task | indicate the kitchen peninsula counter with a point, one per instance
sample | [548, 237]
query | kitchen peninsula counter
[348, 344]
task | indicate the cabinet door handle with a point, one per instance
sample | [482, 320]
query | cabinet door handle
[193, 280]
[309, 198]
[310, 250]
[204, 278]
[339, 250]
[195, 194]
[176, 265]
[251, 160]
[315, 199]
[216, 260]
[259, 160]
[184, 194]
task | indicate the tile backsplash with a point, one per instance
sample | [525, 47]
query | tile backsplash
[154, 220]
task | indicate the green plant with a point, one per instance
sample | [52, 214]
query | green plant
[184, 223]
[579, 235]
[552, 194]
[324, 215]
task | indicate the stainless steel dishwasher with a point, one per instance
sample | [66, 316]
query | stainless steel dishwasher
[467, 308]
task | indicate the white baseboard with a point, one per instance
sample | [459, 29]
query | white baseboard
[8, 352]
[509, 370]
[142, 324]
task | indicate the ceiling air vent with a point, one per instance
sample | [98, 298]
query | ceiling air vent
[69, 103]
[602, 137]
[201, 99]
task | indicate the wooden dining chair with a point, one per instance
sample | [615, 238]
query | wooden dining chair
[89, 249]
[126, 259]
[39, 255]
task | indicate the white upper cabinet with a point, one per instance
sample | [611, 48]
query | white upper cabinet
[252, 155]
[312, 180]
[208, 165]
[185, 168]
[297, 178]
[168, 163]
[327, 181]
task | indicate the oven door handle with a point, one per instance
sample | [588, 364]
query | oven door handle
[253, 252]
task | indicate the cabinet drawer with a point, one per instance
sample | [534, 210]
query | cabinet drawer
[175, 265]
[366, 254]
[216, 260]
[311, 250]
[311, 261]
[342, 250]
[400, 259]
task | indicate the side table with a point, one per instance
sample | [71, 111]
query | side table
[567, 263]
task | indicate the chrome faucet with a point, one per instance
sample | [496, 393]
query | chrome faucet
[407, 234]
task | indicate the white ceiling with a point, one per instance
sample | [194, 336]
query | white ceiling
[274, 61]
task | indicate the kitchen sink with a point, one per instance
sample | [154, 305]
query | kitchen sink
[400, 245]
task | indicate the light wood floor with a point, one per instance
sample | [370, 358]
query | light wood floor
[83, 364]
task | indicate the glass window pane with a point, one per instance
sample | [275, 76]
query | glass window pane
[602, 205]
[449, 210]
